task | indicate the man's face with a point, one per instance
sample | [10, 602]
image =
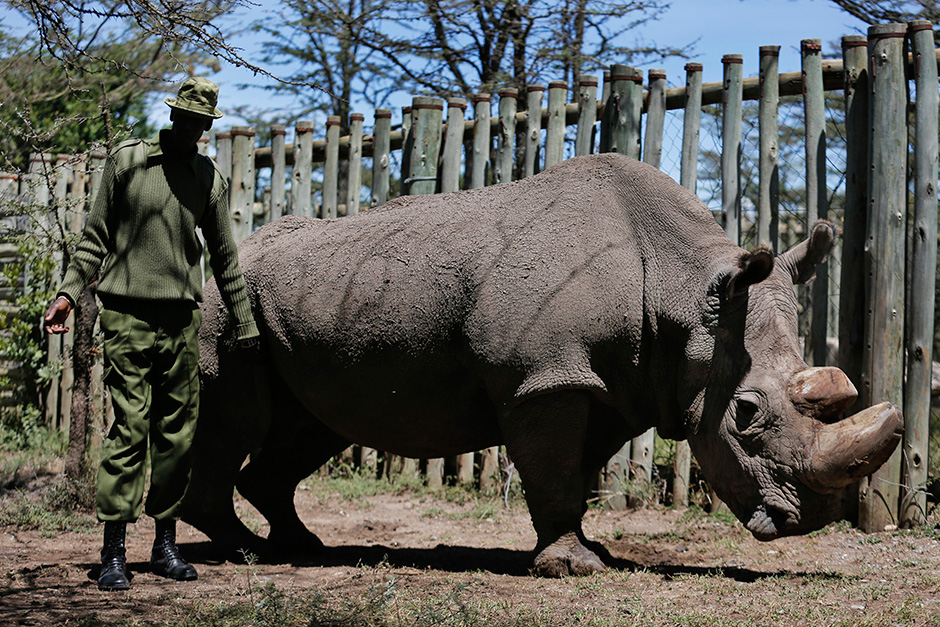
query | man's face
[188, 128]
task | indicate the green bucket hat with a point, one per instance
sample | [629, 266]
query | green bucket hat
[197, 95]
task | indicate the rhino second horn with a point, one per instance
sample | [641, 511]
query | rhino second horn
[853, 448]
[823, 393]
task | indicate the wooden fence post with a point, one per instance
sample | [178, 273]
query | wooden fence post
[688, 176]
[620, 124]
[641, 448]
[506, 140]
[919, 332]
[533, 134]
[768, 197]
[427, 114]
[655, 118]
[489, 458]
[555, 132]
[63, 176]
[453, 144]
[817, 202]
[381, 156]
[301, 189]
[692, 123]
[885, 258]
[75, 214]
[732, 98]
[354, 186]
[331, 169]
[855, 219]
[481, 140]
[278, 171]
[620, 132]
[223, 153]
[478, 163]
[243, 181]
[381, 132]
[587, 116]
[406, 140]
[54, 348]
[425, 147]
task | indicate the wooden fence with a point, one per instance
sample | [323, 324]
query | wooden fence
[877, 311]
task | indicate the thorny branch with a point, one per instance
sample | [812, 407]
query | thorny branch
[177, 25]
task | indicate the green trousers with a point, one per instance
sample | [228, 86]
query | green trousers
[151, 359]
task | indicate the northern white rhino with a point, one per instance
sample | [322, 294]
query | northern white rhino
[558, 315]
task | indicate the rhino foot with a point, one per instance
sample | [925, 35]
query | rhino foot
[293, 542]
[567, 556]
[230, 536]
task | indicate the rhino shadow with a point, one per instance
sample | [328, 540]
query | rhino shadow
[464, 559]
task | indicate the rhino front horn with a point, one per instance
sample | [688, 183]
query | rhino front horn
[853, 448]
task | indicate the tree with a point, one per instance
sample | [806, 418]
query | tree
[328, 38]
[893, 11]
[370, 48]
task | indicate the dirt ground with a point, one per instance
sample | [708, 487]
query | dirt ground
[418, 554]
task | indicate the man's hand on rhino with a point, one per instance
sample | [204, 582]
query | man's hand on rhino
[56, 315]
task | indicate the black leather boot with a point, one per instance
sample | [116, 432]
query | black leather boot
[113, 574]
[165, 559]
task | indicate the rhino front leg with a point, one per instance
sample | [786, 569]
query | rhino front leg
[545, 437]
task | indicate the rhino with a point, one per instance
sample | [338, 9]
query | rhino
[559, 315]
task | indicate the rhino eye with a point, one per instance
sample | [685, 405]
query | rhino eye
[745, 413]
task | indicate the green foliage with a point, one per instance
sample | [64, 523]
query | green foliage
[22, 343]
[75, 76]
[94, 107]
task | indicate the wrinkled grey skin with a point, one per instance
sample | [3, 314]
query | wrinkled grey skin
[559, 315]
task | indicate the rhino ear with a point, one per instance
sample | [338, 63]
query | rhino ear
[800, 261]
[753, 267]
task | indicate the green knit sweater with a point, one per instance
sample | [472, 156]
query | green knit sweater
[141, 232]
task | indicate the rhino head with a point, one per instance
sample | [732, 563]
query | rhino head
[768, 430]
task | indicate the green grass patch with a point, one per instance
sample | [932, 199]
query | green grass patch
[357, 486]
[27, 449]
[25, 511]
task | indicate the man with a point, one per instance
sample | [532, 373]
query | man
[141, 235]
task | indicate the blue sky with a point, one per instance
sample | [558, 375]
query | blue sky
[718, 26]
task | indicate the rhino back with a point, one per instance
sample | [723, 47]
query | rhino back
[479, 296]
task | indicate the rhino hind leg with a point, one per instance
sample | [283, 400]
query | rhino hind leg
[235, 414]
[208, 505]
[545, 437]
[297, 445]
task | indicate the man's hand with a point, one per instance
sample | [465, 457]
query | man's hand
[250, 342]
[56, 315]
